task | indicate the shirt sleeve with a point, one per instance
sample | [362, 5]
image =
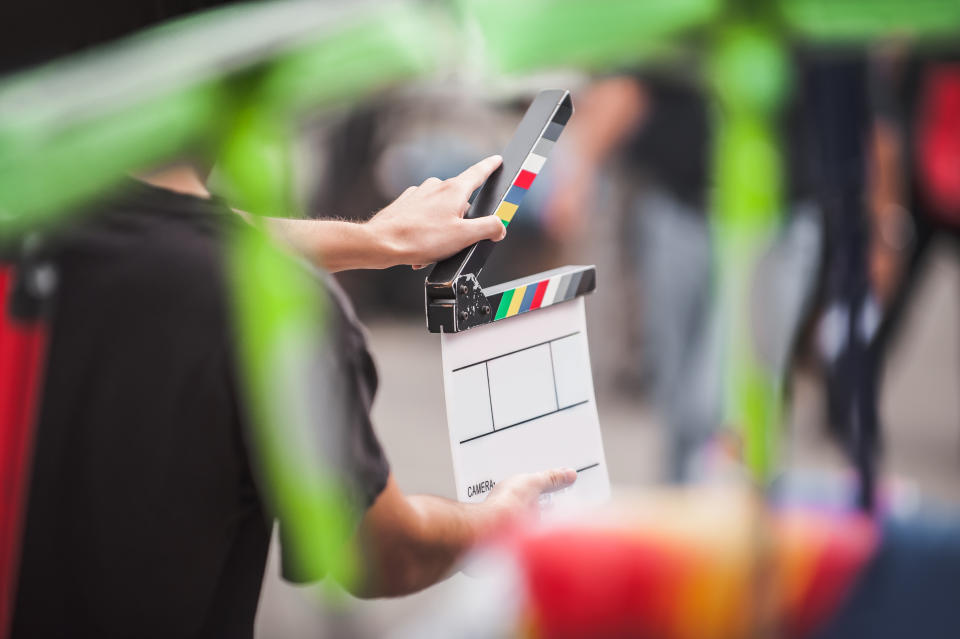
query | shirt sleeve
[360, 463]
[369, 469]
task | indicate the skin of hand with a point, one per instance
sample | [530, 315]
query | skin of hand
[411, 542]
[425, 224]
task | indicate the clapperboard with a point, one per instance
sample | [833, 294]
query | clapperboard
[516, 365]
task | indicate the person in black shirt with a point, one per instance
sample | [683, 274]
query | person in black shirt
[144, 518]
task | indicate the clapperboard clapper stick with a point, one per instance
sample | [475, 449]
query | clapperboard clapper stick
[454, 298]
[519, 392]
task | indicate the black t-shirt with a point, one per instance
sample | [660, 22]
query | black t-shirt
[144, 517]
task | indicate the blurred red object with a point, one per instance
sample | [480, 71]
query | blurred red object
[697, 565]
[22, 346]
[938, 141]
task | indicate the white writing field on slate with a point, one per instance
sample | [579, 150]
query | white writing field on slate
[520, 399]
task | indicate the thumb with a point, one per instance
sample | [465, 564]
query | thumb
[557, 479]
[488, 227]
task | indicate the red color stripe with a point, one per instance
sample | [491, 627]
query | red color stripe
[525, 179]
[538, 295]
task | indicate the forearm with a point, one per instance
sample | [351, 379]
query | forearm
[425, 224]
[447, 529]
[336, 245]
[610, 109]
[409, 543]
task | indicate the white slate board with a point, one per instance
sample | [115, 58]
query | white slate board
[519, 395]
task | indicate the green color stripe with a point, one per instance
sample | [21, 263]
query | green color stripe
[504, 304]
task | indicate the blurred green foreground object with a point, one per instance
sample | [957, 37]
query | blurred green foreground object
[280, 324]
[73, 128]
[226, 85]
[229, 85]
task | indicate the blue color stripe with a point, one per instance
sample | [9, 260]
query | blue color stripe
[528, 298]
[515, 195]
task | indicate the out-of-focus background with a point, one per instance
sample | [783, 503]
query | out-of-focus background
[772, 202]
[630, 189]
[920, 407]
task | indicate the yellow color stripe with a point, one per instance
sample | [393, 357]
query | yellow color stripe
[505, 211]
[517, 299]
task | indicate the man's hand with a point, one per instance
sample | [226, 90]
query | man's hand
[425, 224]
[411, 542]
[517, 497]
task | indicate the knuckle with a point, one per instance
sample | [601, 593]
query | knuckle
[554, 478]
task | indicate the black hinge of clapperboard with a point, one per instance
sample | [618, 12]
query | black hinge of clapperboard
[455, 301]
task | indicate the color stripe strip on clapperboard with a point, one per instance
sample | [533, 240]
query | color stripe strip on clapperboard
[528, 171]
[553, 290]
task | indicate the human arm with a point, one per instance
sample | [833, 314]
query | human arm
[411, 542]
[889, 220]
[607, 111]
[425, 224]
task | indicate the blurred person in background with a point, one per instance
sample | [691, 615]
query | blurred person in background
[144, 515]
[915, 163]
[911, 158]
[837, 106]
[886, 129]
[661, 127]
[661, 124]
